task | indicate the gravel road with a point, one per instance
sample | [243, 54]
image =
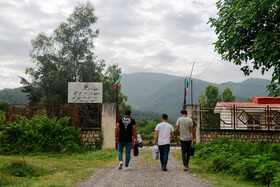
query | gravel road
[145, 172]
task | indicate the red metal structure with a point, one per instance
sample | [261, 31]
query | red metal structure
[82, 115]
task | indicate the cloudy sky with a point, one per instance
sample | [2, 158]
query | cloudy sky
[164, 36]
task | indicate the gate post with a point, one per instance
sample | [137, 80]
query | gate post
[234, 115]
[268, 117]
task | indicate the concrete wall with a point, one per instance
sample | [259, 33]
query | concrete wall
[193, 112]
[207, 136]
[108, 124]
[89, 136]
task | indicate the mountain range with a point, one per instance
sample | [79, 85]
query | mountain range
[163, 93]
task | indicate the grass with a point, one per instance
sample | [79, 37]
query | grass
[57, 169]
[217, 179]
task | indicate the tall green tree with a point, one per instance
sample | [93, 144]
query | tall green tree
[65, 56]
[248, 34]
[227, 95]
[211, 97]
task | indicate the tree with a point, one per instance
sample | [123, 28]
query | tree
[211, 97]
[248, 33]
[66, 56]
[227, 95]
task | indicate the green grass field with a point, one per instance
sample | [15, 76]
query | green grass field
[57, 169]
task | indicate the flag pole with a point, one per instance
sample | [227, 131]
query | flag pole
[184, 104]
[185, 87]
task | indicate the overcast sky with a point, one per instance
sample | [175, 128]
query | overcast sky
[164, 36]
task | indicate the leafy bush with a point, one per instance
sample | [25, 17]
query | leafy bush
[40, 134]
[2, 119]
[255, 162]
[22, 169]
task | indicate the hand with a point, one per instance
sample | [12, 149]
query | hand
[155, 142]
[136, 141]
[194, 140]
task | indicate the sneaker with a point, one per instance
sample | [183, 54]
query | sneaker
[120, 165]
[126, 168]
[186, 168]
[164, 169]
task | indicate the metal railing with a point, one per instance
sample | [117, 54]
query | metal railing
[82, 115]
[241, 118]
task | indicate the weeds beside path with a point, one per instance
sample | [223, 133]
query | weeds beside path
[145, 172]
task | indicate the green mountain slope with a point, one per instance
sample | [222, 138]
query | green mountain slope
[163, 93]
[13, 96]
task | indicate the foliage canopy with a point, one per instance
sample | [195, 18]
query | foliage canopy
[67, 56]
[248, 34]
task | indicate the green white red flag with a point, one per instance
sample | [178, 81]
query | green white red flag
[118, 81]
[187, 87]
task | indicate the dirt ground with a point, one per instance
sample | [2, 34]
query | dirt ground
[145, 172]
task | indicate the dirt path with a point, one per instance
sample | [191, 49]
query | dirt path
[145, 172]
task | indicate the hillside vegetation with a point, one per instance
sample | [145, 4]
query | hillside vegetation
[162, 93]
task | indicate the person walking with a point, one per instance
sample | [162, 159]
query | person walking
[185, 124]
[124, 129]
[163, 131]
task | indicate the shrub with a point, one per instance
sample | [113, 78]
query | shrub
[40, 134]
[266, 171]
[22, 169]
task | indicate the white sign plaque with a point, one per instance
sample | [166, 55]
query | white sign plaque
[85, 92]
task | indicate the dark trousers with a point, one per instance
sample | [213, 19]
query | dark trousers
[164, 151]
[186, 147]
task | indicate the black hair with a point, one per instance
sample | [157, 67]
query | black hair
[164, 116]
[184, 112]
[127, 112]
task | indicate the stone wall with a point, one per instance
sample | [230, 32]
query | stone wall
[207, 136]
[89, 137]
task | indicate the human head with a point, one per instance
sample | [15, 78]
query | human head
[184, 112]
[127, 112]
[164, 117]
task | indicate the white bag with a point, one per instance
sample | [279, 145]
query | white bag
[155, 152]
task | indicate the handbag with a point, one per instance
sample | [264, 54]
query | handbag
[155, 152]
[135, 150]
[192, 150]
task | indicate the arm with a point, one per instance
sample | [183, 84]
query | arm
[117, 130]
[134, 133]
[155, 137]
[193, 134]
[172, 135]
[176, 133]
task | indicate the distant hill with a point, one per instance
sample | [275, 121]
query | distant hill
[162, 93]
[13, 96]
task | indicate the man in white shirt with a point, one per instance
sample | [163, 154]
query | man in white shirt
[163, 131]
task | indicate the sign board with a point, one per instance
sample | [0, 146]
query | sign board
[85, 92]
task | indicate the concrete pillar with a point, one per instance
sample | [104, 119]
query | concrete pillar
[194, 112]
[108, 124]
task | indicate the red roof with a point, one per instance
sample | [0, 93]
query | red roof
[257, 102]
[246, 104]
[267, 100]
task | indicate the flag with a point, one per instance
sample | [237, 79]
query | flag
[118, 81]
[187, 87]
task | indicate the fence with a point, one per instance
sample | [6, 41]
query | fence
[82, 115]
[241, 118]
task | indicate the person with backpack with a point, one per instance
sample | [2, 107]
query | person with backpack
[123, 131]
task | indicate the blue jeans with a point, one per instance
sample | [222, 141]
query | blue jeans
[164, 151]
[127, 146]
